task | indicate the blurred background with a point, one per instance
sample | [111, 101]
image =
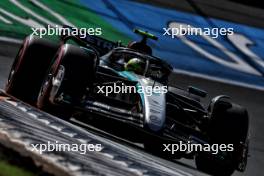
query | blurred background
[232, 65]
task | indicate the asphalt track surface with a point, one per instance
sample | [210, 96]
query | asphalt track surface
[224, 9]
[252, 99]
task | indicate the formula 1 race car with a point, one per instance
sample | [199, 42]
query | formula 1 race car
[82, 77]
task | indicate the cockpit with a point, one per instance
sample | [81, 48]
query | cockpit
[124, 59]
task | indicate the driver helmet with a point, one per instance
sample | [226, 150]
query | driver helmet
[136, 65]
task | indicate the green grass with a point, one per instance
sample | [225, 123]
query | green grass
[71, 10]
[7, 169]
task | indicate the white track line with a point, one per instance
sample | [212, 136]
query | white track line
[10, 40]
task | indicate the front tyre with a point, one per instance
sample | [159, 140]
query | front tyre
[72, 72]
[29, 68]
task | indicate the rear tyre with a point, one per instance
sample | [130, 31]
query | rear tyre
[29, 68]
[68, 78]
[229, 125]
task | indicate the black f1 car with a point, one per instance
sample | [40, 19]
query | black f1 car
[83, 76]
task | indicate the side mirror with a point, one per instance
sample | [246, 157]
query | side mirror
[197, 91]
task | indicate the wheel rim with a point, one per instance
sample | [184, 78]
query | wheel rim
[16, 65]
[46, 86]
